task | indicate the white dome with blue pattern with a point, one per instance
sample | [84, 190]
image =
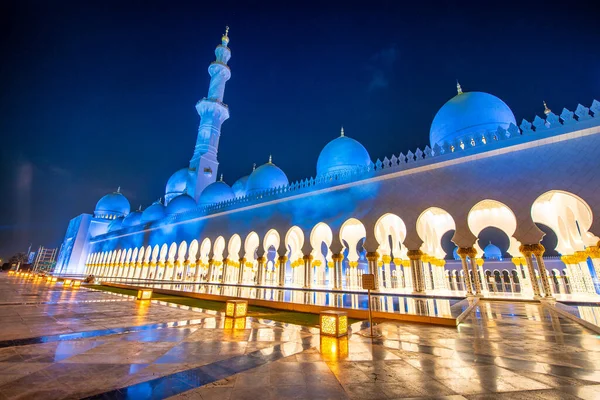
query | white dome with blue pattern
[239, 187]
[469, 114]
[342, 154]
[182, 181]
[214, 193]
[133, 218]
[155, 212]
[181, 203]
[112, 205]
[267, 176]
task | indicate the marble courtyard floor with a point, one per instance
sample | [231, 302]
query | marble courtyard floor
[57, 343]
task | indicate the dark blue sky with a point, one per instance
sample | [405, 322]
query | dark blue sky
[100, 94]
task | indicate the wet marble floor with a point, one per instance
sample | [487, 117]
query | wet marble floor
[132, 350]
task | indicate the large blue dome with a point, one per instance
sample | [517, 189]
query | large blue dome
[112, 205]
[267, 176]
[239, 187]
[216, 192]
[492, 252]
[132, 219]
[180, 204]
[154, 212]
[182, 181]
[342, 154]
[467, 114]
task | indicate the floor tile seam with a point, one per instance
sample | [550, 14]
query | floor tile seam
[179, 376]
[493, 362]
[472, 354]
[110, 331]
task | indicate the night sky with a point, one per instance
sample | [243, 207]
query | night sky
[100, 94]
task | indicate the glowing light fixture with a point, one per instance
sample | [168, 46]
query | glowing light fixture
[10, 273]
[76, 284]
[144, 294]
[54, 279]
[67, 282]
[334, 323]
[236, 308]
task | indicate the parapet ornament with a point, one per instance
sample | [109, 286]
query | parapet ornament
[568, 117]
[582, 113]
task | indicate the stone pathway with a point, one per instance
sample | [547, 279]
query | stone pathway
[502, 351]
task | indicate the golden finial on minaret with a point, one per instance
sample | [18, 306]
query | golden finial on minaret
[546, 109]
[140, 208]
[270, 159]
[225, 37]
[458, 88]
[253, 166]
[342, 132]
[221, 180]
[119, 189]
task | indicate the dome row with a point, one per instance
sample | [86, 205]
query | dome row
[469, 113]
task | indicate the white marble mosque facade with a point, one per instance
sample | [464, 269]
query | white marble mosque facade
[385, 216]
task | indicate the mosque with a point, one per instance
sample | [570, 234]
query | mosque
[416, 219]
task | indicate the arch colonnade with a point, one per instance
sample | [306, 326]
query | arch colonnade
[320, 258]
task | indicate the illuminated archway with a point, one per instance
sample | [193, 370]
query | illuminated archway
[321, 238]
[432, 224]
[351, 233]
[250, 246]
[294, 240]
[390, 232]
[233, 254]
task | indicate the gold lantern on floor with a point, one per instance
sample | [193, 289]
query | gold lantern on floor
[144, 294]
[236, 308]
[334, 323]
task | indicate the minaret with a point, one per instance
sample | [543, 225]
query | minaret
[213, 112]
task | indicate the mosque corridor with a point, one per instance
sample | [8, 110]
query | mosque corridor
[502, 350]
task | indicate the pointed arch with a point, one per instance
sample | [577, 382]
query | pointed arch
[351, 232]
[498, 215]
[432, 224]
[390, 226]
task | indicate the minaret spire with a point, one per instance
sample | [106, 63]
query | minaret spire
[458, 88]
[213, 112]
[270, 159]
[342, 132]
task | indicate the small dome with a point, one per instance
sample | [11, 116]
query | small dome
[180, 204]
[216, 192]
[112, 205]
[133, 218]
[469, 113]
[154, 212]
[342, 154]
[182, 181]
[239, 187]
[115, 225]
[492, 252]
[267, 176]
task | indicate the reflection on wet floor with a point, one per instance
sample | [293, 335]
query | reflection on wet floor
[502, 350]
[426, 306]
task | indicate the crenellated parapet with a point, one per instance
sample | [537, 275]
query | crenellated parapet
[568, 121]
